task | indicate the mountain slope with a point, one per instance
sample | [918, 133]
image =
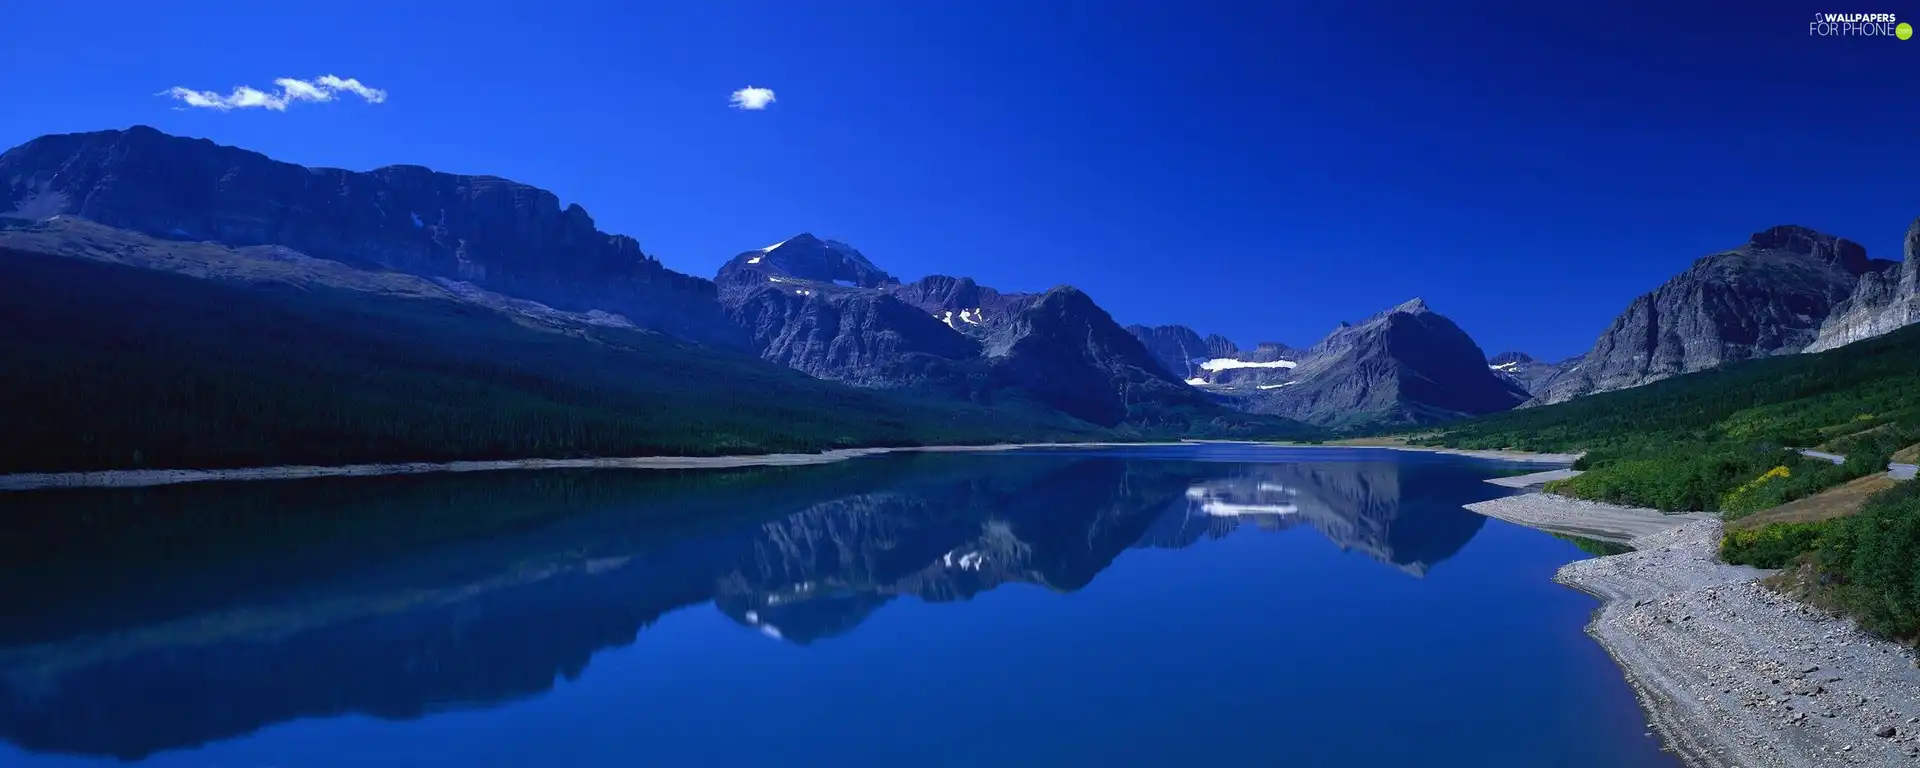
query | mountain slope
[269, 359]
[1180, 349]
[491, 232]
[1408, 364]
[1767, 297]
[962, 304]
[1071, 354]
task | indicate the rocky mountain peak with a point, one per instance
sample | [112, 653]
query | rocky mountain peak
[1828, 249]
[806, 257]
[1885, 299]
[1407, 364]
[1413, 306]
[944, 292]
[1509, 357]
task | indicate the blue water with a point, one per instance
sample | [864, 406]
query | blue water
[1207, 605]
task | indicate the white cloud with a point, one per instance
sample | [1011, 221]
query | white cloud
[319, 89]
[372, 95]
[301, 89]
[751, 98]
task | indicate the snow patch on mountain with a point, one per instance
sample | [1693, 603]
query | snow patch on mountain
[1228, 364]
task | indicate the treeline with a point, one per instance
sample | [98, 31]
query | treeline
[112, 367]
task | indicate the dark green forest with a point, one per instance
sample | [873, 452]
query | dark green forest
[114, 367]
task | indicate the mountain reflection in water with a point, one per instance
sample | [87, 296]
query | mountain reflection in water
[197, 613]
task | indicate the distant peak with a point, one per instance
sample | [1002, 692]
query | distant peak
[1793, 238]
[804, 238]
[1510, 357]
[1413, 306]
[1788, 236]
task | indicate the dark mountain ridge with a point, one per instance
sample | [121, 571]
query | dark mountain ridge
[484, 230]
[1770, 296]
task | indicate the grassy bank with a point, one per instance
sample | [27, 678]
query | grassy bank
[1866, 565]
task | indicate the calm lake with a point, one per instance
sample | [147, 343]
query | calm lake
[1195, 605]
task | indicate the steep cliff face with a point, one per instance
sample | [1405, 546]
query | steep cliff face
[1885, 300]
[1181, 350]
[1768, 297]
[1408, 364]
[494, 233]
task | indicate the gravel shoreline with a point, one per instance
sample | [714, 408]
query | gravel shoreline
[1733, 674]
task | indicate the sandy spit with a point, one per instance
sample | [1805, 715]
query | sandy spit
[1537, 478]
[1591, 519]
[1543, 458]
[129, 478]
[1733, 674]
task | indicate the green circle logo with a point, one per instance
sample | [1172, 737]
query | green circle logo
[1903, 31]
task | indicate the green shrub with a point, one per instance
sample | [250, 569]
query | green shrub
[1874, 557]
[1772, 546]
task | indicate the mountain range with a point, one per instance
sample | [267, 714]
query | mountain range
[503, 252]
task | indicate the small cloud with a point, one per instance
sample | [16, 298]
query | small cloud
[751, 98]
[320, 89]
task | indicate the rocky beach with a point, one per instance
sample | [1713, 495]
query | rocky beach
[1729, 671]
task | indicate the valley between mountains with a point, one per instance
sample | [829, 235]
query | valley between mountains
[198, 305]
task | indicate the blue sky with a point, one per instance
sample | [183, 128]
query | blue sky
[1262, 170]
